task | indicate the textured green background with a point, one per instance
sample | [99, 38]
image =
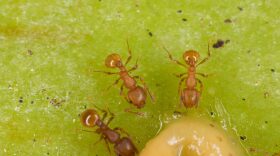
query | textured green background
[69, 39]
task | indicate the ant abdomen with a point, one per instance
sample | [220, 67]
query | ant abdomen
[190, 97]
[137, 96]
[125, 147]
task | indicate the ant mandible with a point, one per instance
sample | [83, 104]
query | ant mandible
[189, 96]
[123, 146]
[136, 94]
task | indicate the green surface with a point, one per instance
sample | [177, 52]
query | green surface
[70, 39]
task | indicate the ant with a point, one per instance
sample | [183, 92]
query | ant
[123, 146]
[189, 96]
[136, 94]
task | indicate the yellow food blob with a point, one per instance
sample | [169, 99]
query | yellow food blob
[192, 137]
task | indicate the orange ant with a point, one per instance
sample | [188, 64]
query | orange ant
[123, 146]
[190, 95]
[136, 94]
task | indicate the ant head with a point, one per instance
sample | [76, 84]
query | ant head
[89, 118]
[113, 61]
[191, 57]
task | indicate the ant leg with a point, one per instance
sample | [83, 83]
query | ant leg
[203, 75]
[180, 75]
[146, 87]
[108, 147]
[129, 110]
[86, 130]
[180, 85]
[134, 67]
[115, 83]
[105, 72]
[129, 54]
[121, 131]
[205, 59]
[180, 90]
[111, 118]
[172, 59]
[201, 86]
[100, 139]
[123, 95]
[181, 99]
[105, 113]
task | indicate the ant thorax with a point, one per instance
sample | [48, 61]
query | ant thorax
[111, 135]
[192, 69]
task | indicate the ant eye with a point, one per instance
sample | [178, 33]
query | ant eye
[194, 58]
[112, 63]
[91, 120]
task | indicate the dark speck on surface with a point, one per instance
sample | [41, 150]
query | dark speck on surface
[243, 99]
[29, 52]
[179, 11]
[150, 33]
[228, 20]
[56, 102]
[252, 149]
[184, 19]
[20, 100]
[266, 94]
[32, 102]
[227, 41]
[272, 70]
[240, 8]
[158, 85]
[266, 122]
[243, 137]
[218, 44]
